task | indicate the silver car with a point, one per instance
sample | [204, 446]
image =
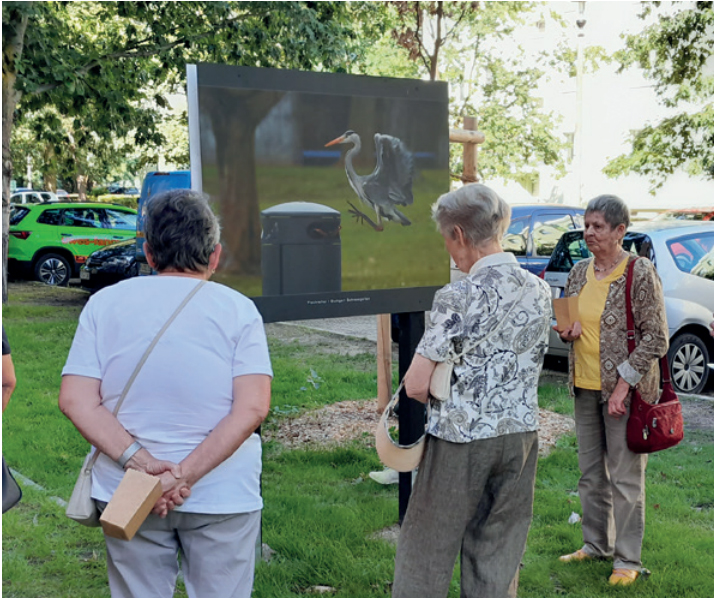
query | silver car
[683, 253]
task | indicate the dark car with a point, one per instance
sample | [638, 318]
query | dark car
[535, 230]
[109, 265]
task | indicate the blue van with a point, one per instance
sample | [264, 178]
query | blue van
[155, 183]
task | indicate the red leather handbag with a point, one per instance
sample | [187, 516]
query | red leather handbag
[651, 428]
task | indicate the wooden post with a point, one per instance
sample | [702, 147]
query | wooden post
[384, 361]
[470, 166]
[470, 137]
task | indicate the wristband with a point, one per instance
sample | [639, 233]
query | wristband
[134, 448]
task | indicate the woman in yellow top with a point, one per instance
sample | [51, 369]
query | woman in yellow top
[602, 373]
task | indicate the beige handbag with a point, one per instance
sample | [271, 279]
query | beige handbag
[81, 506]
[440, 382]
[399, 457]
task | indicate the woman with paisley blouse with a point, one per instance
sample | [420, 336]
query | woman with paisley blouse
[474, 491]
[602, 373]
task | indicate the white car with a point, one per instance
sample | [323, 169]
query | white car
[683, 253]
[23, 197]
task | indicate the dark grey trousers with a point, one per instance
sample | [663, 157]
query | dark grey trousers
[476, 498]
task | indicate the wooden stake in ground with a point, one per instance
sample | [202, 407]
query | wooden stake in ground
[384, 361]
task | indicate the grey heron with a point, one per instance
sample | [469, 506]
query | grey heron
[388, 186]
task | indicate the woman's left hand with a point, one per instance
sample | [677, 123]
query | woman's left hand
[616, 402]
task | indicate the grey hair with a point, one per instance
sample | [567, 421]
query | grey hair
[613, 210]
[479, 211]
[181, 229]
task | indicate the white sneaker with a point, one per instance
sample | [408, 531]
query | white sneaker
[386, 476]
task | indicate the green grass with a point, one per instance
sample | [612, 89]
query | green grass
[321, 510]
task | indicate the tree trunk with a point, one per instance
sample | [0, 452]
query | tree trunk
[238, 190]
[11, 51]
[81, 182]
[49, 168]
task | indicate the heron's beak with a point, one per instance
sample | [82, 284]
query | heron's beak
[335, 141]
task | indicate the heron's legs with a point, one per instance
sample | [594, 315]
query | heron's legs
[362, 217]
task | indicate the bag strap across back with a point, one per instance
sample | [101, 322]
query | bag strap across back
[664, 363]
[145, 356]
[498, 327]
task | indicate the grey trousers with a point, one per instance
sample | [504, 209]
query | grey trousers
[476, 498]
[612, 484]
[217, 556]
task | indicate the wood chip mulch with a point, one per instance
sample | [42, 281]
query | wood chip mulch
[343, 422]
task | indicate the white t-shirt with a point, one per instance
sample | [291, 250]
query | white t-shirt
[185, 387]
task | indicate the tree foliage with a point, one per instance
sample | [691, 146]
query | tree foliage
[676, 53]
[101, 63]
[471, 44]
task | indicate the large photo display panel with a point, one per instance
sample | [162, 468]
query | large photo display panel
[323, 184]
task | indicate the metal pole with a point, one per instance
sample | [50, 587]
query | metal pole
[411, 413]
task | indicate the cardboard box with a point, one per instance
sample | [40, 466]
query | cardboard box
[566, 311]
[131, 504]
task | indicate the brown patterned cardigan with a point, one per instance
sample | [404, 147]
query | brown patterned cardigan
[651, 332]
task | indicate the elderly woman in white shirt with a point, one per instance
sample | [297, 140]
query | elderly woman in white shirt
[190, 415]
[474, 491]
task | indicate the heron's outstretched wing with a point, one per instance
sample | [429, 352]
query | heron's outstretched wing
[391, 181]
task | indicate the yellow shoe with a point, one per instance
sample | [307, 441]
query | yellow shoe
[623, 577]
[578, 555]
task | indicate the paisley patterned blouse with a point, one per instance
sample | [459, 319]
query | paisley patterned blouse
[497, 332]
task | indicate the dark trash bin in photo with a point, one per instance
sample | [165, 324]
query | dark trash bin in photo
[301, 249]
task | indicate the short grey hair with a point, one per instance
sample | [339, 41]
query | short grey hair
[181, 229]
[480, 212]
[613, 210]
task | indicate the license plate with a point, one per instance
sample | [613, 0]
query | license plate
[84, 275]
[144, 270]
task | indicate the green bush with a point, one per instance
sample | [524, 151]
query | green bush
[129, 201]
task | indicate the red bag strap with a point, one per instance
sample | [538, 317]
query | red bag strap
[663, 362]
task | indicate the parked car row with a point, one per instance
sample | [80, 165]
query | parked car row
[52, 242]
[683, 253]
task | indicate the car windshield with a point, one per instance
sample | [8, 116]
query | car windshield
[572, 248]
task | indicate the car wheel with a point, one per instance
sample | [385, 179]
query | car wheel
[53, 269]
[688, 358]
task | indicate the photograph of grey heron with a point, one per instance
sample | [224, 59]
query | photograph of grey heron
[390, 184]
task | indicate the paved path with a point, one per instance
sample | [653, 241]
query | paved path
[355, 326]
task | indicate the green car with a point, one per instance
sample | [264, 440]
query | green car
[51, 241]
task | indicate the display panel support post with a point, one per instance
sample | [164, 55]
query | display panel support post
[411, 413]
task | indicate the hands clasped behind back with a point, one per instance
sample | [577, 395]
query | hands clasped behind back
[174, 488]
